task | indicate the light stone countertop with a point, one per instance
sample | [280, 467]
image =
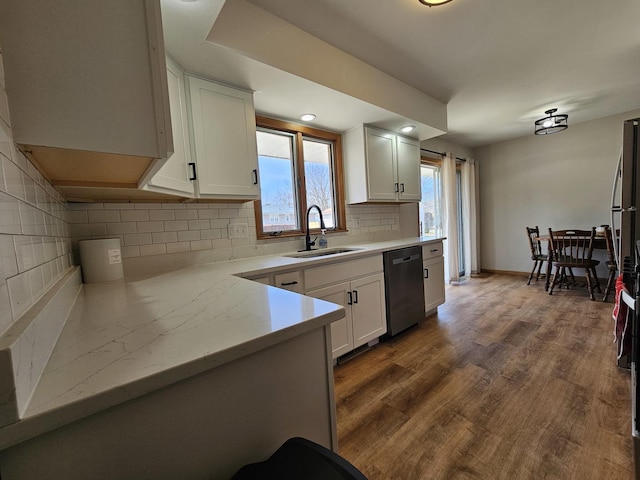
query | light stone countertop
[129, 337]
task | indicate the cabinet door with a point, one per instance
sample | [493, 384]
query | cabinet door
[224, 136]
[341, 330]
[381, 165]
[433, 283]
[368, 309]
[408, 156]
[175, 174]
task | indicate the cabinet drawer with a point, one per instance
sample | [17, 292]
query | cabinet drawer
[341, 271]
[432, 250]
[291, 281]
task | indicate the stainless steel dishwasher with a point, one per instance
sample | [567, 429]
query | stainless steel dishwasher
[404, 288]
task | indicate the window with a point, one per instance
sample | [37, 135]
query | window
[430, 204]
[299, 167]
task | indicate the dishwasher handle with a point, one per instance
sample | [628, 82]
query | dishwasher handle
[408, 258]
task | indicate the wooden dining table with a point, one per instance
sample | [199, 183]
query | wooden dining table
[599, 243]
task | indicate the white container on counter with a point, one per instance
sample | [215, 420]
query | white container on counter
[101, 260]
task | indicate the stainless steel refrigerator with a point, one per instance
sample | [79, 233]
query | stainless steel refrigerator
[624, 215]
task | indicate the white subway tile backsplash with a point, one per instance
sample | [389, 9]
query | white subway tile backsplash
[9, 214]
[78, 216]
[28, 219]
[164, 237]
[30, 189]
[118, 206]
[134, 215]
[207, 214]
[158, 249]
[178, 247]
[222, 243]
[13, 179]
[6, 317]
[106, 216]
[121, 228]
[148, 206]
[36, 282]
[199, 224]
[188, 235]
[175, 225]
[38, 250]
[19, 294]
[210, 234]
[129, 252]
[97, 229]
[229, 213]
[8, 261]
[186, 214]
[4, 106]
[219, 223]
[155, 215]
[156, 229]
[201, 245]
[148, 227]
[174, 206]
[131, 239]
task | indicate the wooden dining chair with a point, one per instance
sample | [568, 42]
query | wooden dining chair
[573, 249]
[537, 255]
[612, 263]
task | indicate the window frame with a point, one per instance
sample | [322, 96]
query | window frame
[300, 132]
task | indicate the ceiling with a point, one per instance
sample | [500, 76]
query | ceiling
[497, 65]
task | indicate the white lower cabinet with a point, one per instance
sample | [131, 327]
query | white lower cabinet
[342, 330]
[363, 298]
[433, 272]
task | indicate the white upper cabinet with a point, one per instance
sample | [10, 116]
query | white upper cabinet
[408, 158]
[87, 88]
[381, 166]
[223, 128]
[176, 176]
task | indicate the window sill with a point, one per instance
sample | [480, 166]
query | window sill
[297, 234]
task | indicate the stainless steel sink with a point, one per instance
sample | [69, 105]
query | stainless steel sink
[321, 253]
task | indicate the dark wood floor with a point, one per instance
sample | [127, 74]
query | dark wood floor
[505, 382]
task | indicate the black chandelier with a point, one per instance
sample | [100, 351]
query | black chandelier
[551, 123]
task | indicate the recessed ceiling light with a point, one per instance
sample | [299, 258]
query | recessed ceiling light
[407, 128]
[307, 117]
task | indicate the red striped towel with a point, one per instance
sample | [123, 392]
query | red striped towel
[621, 334]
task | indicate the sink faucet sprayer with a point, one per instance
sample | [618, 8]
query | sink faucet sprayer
[308, 243]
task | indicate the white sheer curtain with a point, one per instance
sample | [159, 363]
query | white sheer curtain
[450, 204]
[469, 212]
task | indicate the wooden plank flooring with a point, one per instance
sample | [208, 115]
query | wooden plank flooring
[505, 382]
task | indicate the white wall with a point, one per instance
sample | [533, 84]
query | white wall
[559, 181]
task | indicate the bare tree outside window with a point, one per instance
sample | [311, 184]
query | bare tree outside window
[318, 178]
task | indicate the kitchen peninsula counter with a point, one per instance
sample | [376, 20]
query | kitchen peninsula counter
[136, 346]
